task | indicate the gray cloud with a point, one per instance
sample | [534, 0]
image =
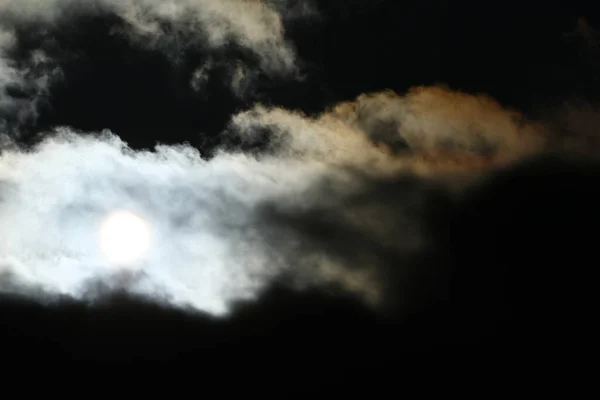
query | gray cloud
[29, 83]
[8, 74]
[176, 25]
[172, 27]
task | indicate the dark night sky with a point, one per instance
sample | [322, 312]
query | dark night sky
[515, 250]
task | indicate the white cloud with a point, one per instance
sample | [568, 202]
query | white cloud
[208, 246]
[210, 242]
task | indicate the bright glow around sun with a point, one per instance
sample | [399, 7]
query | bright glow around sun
[124, 238]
